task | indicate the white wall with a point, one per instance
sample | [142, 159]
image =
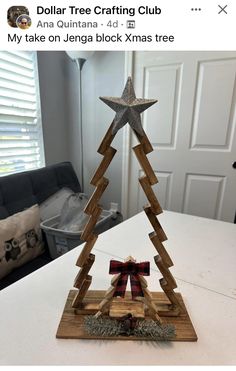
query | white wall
[102, 75]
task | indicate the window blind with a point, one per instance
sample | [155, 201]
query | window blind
[21, 139]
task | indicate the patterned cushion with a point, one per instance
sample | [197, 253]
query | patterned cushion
[20, 239]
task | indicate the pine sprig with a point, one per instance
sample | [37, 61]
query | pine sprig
[151, 329]
[104, 326]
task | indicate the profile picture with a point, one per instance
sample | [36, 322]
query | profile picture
[23, 22]
[14, 12]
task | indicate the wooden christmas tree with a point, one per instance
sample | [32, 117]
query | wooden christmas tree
[163, 308]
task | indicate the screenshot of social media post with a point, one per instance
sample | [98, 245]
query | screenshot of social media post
[117, 183]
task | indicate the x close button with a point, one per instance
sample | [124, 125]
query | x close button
[222, 9]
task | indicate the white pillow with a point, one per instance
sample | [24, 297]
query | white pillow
[20, 239]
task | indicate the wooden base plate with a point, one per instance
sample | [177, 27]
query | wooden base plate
[71, 325]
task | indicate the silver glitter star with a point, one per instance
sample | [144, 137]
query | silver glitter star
[128, 108]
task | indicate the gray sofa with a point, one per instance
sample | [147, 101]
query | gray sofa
[22, 190]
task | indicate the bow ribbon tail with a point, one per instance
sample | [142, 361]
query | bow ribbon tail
[121, 285]
[136, 288]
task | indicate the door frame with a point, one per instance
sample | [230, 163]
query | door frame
[128, 71]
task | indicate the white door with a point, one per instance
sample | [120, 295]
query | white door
[192, 131]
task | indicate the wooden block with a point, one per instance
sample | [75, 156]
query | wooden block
[108, 156]
[115, 279]
[165, 285]
[91, 224]
[161, 249]
[145, 164]
[142, 281]
[98, 314]
[97, 194]
[155, 223]
[109, 293]
[173, 299]
[149, 303]
[144, 141]
[152, 308]
[81, 276]
[147, 294]
[82, 292]
[104, 303]
[86, 250]
[121, 308]
[165, 272]
[106, 142]
[155, 206]
[87, 308]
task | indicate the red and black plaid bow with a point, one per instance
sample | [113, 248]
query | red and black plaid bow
[133, 270]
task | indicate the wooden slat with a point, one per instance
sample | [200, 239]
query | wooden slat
[122, 308]
[86, 250]
[147, 293]
[110, 292]
[144, 141]
[81, 276]
[78, 299]
[145, 164]
[155, 206]
[106, 142]
[152, 308]
[108, 156]
[155, 223]
[97, 194]
[165, 285]
[115, 279]
[165, 272]
[91, 224]
[161, 249]
[104, 304]
[172, 296]
[142, 281]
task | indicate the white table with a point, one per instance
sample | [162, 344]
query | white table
[204, 254]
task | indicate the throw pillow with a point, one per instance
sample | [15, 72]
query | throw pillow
[20, 239]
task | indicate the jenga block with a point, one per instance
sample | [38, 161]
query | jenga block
[153, 309]
[155, 206]
[115, 279]
[145, 164]
[121, 308]
[82, 292]
[81, 276]
[97, 194]
[147, 294]
[173, 299]
[106, 142]
[109, 293]
[86, 250]
[91, 224]
[165, 285]
[108, 156]
[142, 281]
[144, 141]
[98, 314]
[155, 223]
[104, 304]
[160, 249]
[165, 272]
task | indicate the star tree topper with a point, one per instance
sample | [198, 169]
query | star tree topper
[128, 108]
